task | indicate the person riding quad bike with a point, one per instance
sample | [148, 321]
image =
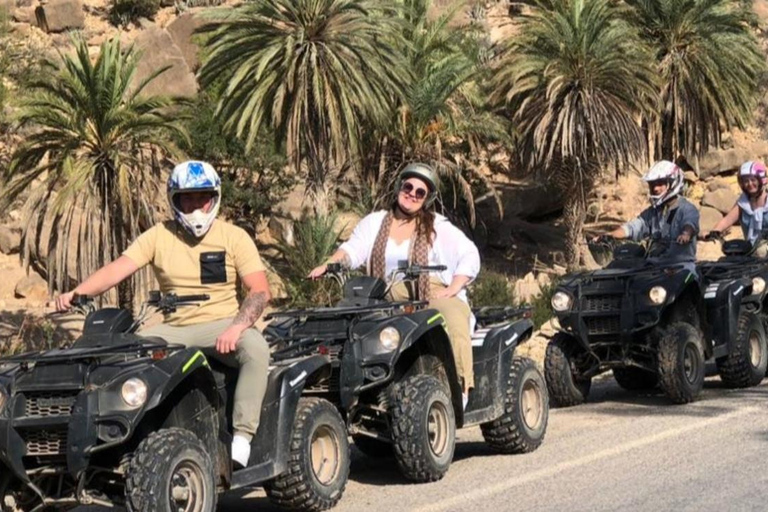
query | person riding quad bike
[411, 231]
[407, 372]
[749, 209]
[197, 253]
[120, 419]
[670, 217]
[641, 316]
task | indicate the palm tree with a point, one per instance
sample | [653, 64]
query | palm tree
[577, 80]
[317, 71]
[710, 65]
[96, 143]
[442, 117]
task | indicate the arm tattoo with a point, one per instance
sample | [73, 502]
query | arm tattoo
[251, 309]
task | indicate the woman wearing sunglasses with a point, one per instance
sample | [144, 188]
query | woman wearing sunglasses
[411, 230]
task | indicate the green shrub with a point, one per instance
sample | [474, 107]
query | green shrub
[315, 240]
[490, 289]
[123, 12]
[542, 308]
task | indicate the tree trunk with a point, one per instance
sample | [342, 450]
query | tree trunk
[574, 213]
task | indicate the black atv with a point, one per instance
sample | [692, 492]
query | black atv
[641, 316]
[394, 377]
[121, 419]
[734, 290]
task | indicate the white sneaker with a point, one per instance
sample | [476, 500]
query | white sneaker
[241, 450]
[465, 400]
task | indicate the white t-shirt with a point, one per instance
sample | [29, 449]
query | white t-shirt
[451, 248]
[394, 254]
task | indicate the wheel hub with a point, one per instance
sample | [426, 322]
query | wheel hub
[437, 428]
[690, 363]
[186, 492]
[326, 455]
[531, 404]
[755, 349]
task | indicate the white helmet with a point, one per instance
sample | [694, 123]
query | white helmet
[665, 170]
[194, 176]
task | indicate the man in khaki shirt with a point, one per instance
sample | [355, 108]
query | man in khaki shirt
[195, 254]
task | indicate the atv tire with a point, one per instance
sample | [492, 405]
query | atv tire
[746, 365]
[318, 464]
[169, 471]
[423, 428]
[565, 390]
[373, 447]
[635, 379]
[522, 427]
[681, 362]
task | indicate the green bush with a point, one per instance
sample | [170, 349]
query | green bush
[123, 12]
[315, 240]
[490, 289]
[542, 308]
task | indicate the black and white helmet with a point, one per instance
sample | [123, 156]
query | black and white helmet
[665, 170]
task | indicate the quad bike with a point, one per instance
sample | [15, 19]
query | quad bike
[394, 377]
[121, 419]
[641, 316]
[734, 289]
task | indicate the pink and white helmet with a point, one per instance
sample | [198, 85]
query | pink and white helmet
[754, 169]
[664, 170]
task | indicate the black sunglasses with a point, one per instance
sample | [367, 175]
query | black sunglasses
[418, 193]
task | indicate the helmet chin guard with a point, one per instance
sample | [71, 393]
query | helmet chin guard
[189, 177]
[665, 170]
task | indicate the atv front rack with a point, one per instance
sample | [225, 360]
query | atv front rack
[75, 354]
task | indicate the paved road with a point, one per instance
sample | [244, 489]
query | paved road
[620, 452]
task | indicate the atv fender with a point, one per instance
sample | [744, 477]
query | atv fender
[492, 361]
[271, 444]
[368, 364]
[723, 305]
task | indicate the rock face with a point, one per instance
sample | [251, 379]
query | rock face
[716, 162]
[721, 199]
[32, 287]
[10, 240]
[60, 15]
[181, 30]
[709, 217]
[159, 51]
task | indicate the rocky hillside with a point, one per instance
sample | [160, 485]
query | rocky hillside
[526, 244]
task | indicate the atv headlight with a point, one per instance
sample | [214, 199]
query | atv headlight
[657, 294]
[389, 337]
[134, 392]
[758, 285]
[561, 301]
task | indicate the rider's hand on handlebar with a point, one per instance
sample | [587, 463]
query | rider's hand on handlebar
[64, 302]
[318, 272]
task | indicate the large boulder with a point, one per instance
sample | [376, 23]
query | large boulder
[159, 51]
[721, 199]
[31, 287]
[10, 240]
[60, 15]
[709, 217]
[720, 161]
[181, 30]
